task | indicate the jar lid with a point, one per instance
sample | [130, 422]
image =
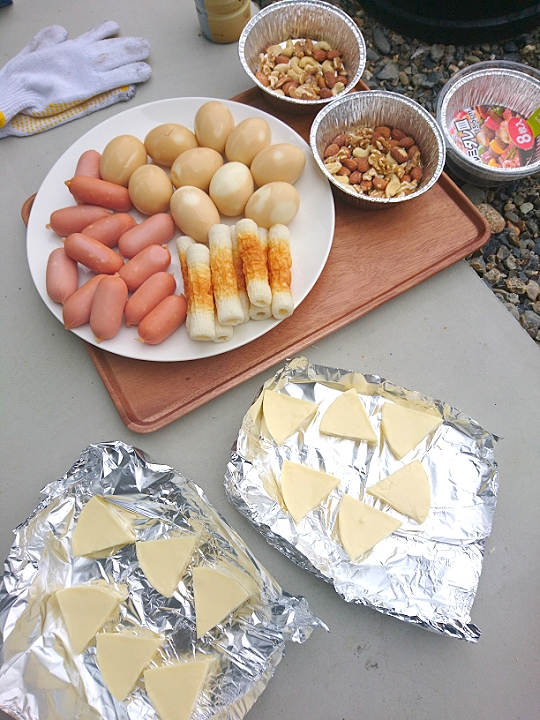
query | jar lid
[224, 7]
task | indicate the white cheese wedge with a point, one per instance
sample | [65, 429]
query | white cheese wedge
[85, 610]
[346, 417]
[173, 689]
[405, 428]
[284, 414]
[102, 526]
[217, 593]
[361, 527]
[407, 491]
[164, 561]
[303, 488]
[122, 657]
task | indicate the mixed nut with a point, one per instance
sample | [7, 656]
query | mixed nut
[303, 69]
[378, 162]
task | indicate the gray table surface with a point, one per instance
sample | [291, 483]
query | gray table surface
[449, 338]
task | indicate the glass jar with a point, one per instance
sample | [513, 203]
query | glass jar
[222, 21]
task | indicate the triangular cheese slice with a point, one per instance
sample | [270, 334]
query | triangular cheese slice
[407, 491]
[361, 527]
[173, 689]
[284, 414]
[102, 526]
[303, 488]
[346, 417]
[217, 594]
[86, 609]
[164, 561]
[405, 428]
[122, 657]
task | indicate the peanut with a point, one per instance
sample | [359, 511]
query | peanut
[399, 154]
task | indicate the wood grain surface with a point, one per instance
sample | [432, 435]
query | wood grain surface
[375, 256]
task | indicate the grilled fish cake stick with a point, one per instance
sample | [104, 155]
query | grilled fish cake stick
[201, 296]
[254, 263]
[228, 305]
[223, 332]
[182, 244]
[260, 312]
[279, 270]
[239, 270]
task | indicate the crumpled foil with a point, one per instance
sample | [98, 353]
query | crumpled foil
[40, 678]
[425, 574]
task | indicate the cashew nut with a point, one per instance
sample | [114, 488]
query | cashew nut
[393, 186]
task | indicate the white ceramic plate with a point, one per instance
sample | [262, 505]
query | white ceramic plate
[311, 230]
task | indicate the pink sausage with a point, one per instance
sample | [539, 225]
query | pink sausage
[99, 192]
[88, 164]
[92, 254]
[153, 259]
[108, 307]
[109, 230]
[155, 230]
[62, 276]
[149, 294]
[76, 311]
[163, 320]
[75, 218]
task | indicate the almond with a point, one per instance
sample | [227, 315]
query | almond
[319, 55]
[406, 142]
[331, 54]
[349, 163]
[340, 140]
[331, 150]
[355, 178]
[399, 154]
[416, 173]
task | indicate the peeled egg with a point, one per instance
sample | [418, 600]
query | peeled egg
[280, 162]
[273, 203]
[196, 167]
[194, 212]
[213, 124]
[166, 142]
[150, 189]
[231, 187]
[121, 156]
[247, 139]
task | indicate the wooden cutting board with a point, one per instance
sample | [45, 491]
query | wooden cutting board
[375, 256]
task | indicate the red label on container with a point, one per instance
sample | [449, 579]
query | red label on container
[493, 135]
[521, 133]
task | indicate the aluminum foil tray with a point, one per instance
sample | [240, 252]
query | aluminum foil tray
[40, 678]
[425, 574]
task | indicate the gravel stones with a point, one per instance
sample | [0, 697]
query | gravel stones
[509, 262]
[495, 219]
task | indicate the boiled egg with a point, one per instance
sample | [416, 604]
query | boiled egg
[213, 124]
[166, 142]
[273, 203]
[120, 157]
[247, 139]
[194, 212]
[231, 187]
[150, 189]
[196, 167]
[280, 162]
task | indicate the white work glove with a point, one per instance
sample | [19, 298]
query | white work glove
[52, 75]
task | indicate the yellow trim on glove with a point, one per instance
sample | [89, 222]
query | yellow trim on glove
[53, 115]
[2, 119]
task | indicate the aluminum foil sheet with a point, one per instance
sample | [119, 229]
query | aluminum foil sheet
[372, 108]
[424, 574]
[39, 678]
